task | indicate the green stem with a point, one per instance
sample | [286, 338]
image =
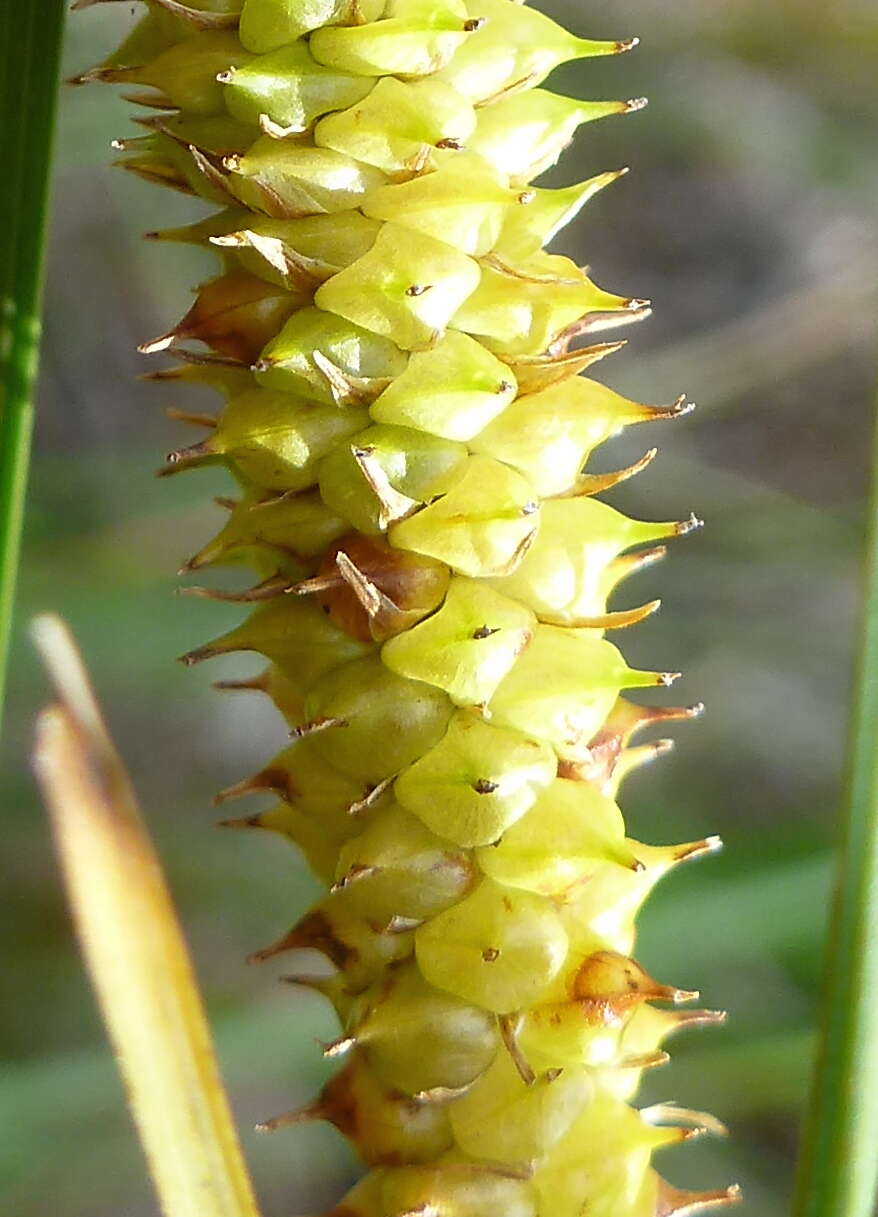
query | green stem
[30, 43]
[838, 1165]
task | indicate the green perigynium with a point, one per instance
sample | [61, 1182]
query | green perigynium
[408, 426]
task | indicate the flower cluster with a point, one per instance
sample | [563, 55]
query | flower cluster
[408, 426]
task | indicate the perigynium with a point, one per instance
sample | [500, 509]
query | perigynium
[408, 427]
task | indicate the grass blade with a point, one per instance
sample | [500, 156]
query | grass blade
[838, 1163]
[30, 45]
[135, 952]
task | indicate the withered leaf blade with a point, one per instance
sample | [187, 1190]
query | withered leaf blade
[134, 950]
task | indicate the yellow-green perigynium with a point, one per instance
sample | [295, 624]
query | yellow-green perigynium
[408, 424]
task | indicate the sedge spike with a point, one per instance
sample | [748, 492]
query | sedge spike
[408, 418]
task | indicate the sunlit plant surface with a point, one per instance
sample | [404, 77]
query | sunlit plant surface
[772, 953]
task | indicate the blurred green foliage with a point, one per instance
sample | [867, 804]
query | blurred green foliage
[750, 222]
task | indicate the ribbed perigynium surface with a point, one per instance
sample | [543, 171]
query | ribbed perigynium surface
[408, 425]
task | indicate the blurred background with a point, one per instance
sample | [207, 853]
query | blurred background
[749, 220]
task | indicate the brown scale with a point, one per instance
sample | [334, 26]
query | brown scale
[386, 1126]
[372, 591]
[608, 749]
[235, 315]
[610, 984]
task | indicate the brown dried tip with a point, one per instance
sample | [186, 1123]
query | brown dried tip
[615, 621]
[392, 505]
[593, 322]
[269, 589]
[644, 754]
[317, 724]
[254, 684]
[199, 654]
[346, 390]
[158, 174]
[692, 524]
[212, 174]
[313, 932]
[645, 1060]
[91, 76]
[609, 755]
[339, 1047]
[152, 100]
[371, 797]
[627, 564]
[355, 874]
[276, 780]
[690, 1123]
[680, 406]
[441, 1094]
[186, 458]
[696, 849]
[537, 372]
[674, 1202]
[199, 18]
[666, 679]
[155, 345]
[299, 1115]
[627, 718]
[274, 130]
[254, 821]
[208, 358]
[701, 1018]
[507, 1027]
[190, 417]
[596, 483]
[612, 982]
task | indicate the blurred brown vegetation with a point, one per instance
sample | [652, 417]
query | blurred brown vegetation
[749, 220]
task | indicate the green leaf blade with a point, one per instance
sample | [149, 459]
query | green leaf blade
[838, 1162]
[30, 48]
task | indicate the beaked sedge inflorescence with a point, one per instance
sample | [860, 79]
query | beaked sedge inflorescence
[408, 426]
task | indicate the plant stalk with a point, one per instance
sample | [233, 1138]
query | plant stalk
[30, 46]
